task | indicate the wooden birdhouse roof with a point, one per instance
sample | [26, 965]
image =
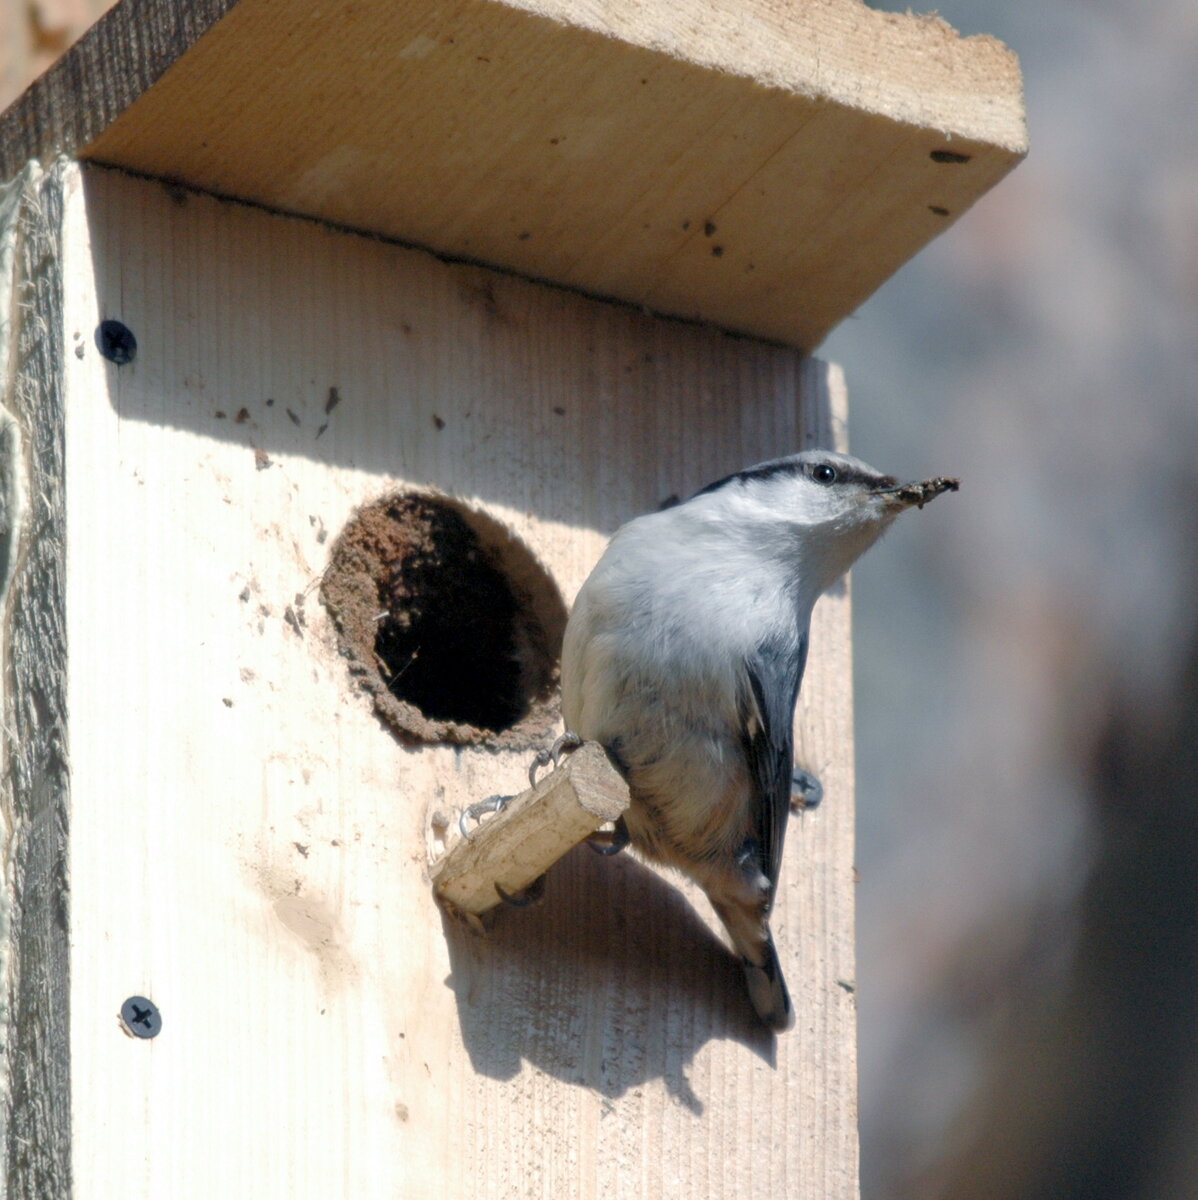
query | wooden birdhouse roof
[762, 167]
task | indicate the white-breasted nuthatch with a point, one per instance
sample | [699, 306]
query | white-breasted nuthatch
[683, 657]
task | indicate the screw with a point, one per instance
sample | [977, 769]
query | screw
[140, 1017]
[116, 342]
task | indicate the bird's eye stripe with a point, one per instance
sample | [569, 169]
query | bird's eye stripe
[841, 473]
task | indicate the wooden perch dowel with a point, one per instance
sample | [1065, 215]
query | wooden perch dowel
[518, 845]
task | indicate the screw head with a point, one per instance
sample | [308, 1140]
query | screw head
[140, 1017]
[116, 342]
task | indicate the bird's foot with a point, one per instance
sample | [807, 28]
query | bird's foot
[476, 812]
[524, 897]
[564, 744]
[610, 843]
[806, 791]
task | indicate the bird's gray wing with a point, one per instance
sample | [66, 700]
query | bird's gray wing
[775, 671]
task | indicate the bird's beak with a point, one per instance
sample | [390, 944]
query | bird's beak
[904, 495]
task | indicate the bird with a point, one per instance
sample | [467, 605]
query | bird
[683, 657]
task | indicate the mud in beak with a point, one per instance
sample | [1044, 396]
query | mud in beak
[906, 495]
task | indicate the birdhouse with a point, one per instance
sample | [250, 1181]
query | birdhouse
[337, 339]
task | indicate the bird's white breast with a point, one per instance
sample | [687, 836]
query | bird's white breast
[663, 626]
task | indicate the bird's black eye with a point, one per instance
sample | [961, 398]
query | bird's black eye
[824, 473]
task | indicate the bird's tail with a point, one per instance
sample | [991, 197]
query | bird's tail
[747, 920]
[767, 988]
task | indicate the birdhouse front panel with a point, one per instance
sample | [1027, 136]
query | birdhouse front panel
[328, 502]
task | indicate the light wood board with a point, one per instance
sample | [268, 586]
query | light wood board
[248, 845]
[758, 166]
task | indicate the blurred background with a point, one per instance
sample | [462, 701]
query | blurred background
[1026, 746]
[1027, 677]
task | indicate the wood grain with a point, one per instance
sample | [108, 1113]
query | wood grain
[34, 764]
[758, 166]
[249, 846]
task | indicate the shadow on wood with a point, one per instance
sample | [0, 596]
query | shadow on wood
[611, 981]
[371, 381]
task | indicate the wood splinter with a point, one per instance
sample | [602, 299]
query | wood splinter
[514, 848]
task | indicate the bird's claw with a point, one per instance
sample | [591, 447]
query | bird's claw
[806, 791]
[608, 844]
[476, 812]
[563, 745]
[524, 897]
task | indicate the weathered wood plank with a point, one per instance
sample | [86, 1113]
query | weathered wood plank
[109, 67]
[757, 166]
[34, 763]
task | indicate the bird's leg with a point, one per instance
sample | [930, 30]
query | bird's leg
[806, 791]
[610, 843]
[564, 744]
[525, 897]
[476, 812]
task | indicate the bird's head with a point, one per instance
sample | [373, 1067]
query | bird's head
[824, 508]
